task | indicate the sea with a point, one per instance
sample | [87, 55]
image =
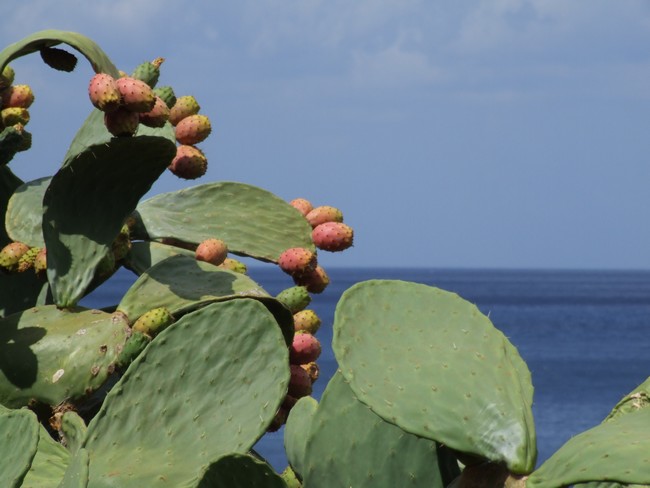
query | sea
[585, 335]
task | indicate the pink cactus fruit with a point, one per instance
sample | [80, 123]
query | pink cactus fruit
[193, 129]
[103, 92]
[137, 96]
[157, 116]
[304, 349]
[306, 321]
[10, 255]
[184, 107]
[17, 96]
[303, 205]
[213, 251]
[332, 236]
[121, 122]
[299, 382]
[189, 163]
[297, 261]
[315, 282]
[322, 214]
[312, 369]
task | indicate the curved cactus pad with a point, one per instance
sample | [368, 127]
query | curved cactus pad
[18, 432]
[144, 254]
[87, 203]
[635, 400]
[616, 450]
[240, 471]
[53, 355]
[348, 445]
[158, 427]
[76, 476]
[23, 221]
[8, 184]
[297, 430]
[74, 430]
[251, 221]
[49, 464]
[431, 363]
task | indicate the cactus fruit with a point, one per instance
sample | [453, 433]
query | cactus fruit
[193, 129]
[10, 255]
[149, 72]
[184, 107]
[157, 116]
[14, 116]
[26, 141]
[153, 321]
[121, 122]
[189, 163]
[121, 244]
[213, 251]
[40, 263]
[295, 298]
[26, 261]
[299, 382]
[333, 236]
[312, 369]
[304, 349]
[234, 265]
[303, 205]
[306, 321]
[103, 92]
[17, 96]
[315, 282]
[7, 77]
[167, 95]
[137, 96]
[322, 214]
[297, 261]
[58, 59]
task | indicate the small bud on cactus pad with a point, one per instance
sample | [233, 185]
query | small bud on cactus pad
[323, 214]
[14, 115]
[332, 236]
[189, 163]
[302, 205]
[315, 282]
[297, 261]
[184, 107]
[122, 122]
[296, 298]
[157, 116]
[304, 349]
[313, 369]
[299, 382]
[10, 255]
[153, 321]
[213, 251]
[149, 72]
[193, 129]
[17, 96]
[137, 96]
[234, 265]
[103, 92]
[306, 321]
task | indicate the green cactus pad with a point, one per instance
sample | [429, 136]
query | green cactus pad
[240, 471]
[23, 219]
[19, 437]
[158, 427]
[253, 222]
[348, 445]
[22, 291]
[74, 430]
[87, 202]
[52, 355]
[635, 400]
[617, 451]
[49, 464]
[430, 362]
[76, 476]
[11, 141]
[144, 254]
[182, 284]
[296, 431]
[8, 184]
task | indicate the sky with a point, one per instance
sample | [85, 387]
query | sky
[473, 134]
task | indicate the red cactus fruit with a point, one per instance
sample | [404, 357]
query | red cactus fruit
[103, 92]
[332, 236]
[137, 96]
[303, 205]
[189, 163]
[299, 383]
[297, 261]
[315, 282]
[304, 349]
[121, 122]
[17, 96]
[322, 214]
[306, 321]
[184, 107]
[193, 129]
[213, 251]
[157, 116]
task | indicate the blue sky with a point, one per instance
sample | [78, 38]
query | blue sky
[503, 133]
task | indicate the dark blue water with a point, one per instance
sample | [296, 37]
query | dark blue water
[583, 334]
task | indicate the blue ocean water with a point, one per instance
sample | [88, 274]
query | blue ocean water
[583, 334]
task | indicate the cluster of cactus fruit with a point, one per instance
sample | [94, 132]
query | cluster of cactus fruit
[175, 384]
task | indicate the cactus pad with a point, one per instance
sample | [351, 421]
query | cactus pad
[144, 254]
[296, 431]
[76, 476]
[49, 464]
[19, 433]
[159, 411]
[252, 221]
[240, 471]
[431, 363]
[23, 219]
